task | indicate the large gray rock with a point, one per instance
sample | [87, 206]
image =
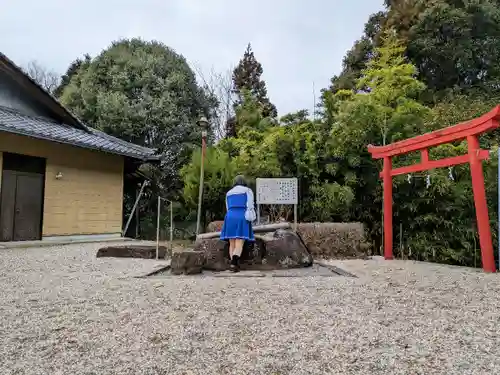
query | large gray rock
[187, 262]
[216, 253]
[285, 249]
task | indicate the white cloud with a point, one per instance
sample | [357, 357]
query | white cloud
[298, 42]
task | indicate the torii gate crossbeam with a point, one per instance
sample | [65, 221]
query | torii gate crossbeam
[469, 131]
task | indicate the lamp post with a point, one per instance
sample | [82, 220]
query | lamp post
[203, 124]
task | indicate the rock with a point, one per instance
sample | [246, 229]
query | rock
[285, 249]
[335, 240]
[131, 251]
[252, 256]
[215, 226]
[281, 249]
[256, 229]
[216, 253]
[187, 262]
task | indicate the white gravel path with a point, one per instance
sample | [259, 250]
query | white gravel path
[63, 311]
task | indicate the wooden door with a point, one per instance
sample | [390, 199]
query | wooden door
[28, 208]
[7, 213]
[21, 201]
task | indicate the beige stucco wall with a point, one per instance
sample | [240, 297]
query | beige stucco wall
[87, 199]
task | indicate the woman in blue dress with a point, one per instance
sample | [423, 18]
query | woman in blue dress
[240, 214]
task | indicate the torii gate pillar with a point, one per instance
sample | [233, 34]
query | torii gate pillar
[388, 237]
[483, 221]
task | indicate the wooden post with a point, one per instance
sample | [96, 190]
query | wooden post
[424, 156]
[387, 208]
[483, 222]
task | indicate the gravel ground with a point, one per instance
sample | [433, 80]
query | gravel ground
[65, 312]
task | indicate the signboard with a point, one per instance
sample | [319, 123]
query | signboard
[277, 191]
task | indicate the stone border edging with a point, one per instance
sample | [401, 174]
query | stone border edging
[336, 269]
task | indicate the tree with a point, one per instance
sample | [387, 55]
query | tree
[247, 76]
[456, 45]
[353, 63]
[146, 93]
[295, 118]
[386, 110]
[72, 70]
[219, 86]
[393, 89]
[219, 171]
[358, 56]
[46, 78]
[402, 15]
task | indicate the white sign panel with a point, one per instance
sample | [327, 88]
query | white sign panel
[277, 191]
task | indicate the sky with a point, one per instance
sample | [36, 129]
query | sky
[300, 43]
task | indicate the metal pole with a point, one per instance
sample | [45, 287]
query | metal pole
[200, 193]
[258, 214]
[158, 228]
[134, 208]
[171, 226]
[401, 240]
[136, 216]
[295, 217]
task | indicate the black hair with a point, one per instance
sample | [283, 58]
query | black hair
[239, 181]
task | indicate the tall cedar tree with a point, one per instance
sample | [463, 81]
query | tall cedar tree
[247, 76]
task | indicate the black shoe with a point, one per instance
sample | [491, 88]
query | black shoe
[235, 264]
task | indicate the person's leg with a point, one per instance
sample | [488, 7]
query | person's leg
[231, 248]
[238, 247]
[235, 258]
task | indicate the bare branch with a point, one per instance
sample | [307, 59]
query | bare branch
[219, 85]
[47, 79]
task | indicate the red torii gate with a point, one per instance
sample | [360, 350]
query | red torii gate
[470, 131]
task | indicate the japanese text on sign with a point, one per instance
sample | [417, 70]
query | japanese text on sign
[277, 191]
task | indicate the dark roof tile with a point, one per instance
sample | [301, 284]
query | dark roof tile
[42, 128]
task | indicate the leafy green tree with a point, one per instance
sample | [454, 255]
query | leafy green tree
[456, 45]
[386, 110]
[358, 56]
[353, 63]
[402, 15]
[72, 70]
[295, 118]
[219, 171]
[146, 93]
[393, 91]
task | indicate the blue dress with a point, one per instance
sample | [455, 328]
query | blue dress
[240, 214]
